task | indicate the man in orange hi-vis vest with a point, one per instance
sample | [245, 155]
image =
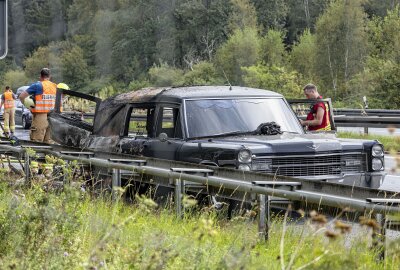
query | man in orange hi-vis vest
[8, 100]
[43, 101]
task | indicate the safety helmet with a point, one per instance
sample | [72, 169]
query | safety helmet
[63, 86]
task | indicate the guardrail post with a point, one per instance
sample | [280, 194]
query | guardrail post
[179, 190]
[264, 217]
[366, 130]
[27, 169]
[66, 173]
[381, 220]
[116, 183]
[265, 201]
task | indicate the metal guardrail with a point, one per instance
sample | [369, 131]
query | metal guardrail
[264, 186]
[367, 121]
[366, 112]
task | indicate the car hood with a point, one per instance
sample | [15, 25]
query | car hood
[292, 143]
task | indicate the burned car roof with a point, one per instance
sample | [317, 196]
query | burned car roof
[176, 94]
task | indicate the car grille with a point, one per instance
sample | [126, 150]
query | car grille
[314, 165]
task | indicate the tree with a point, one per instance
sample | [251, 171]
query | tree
[271, 13]
[341, 45]
[203, 73]
[379, 80]
[302, 57]
[273, 78]
[43, 57]
[74, 68]
[273, 49]
[242, 49]
[65, 61]
[164, 75]
[35, 23]
[15, 79]
[302, 15]
[201, 26]
[243, 15]
[379, 7]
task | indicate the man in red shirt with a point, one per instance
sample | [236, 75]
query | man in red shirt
[318, 117]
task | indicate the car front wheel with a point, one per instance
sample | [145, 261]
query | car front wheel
[25, 124]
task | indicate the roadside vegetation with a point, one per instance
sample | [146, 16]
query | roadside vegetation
[391, 143]
[349, 49]
[71, 229]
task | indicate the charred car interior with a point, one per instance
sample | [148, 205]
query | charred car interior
[234, 127]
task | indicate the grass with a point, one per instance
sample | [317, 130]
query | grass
[390, 142]
[72, 230]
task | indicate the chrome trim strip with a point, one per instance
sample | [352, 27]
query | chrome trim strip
[311, 156]
[306, 165]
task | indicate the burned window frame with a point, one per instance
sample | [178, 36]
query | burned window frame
[150, 120]
[58, 102]
[176, 118]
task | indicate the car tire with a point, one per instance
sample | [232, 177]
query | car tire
[25, 124]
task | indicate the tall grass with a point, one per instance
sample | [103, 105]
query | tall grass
[72, 230]
[390, 142]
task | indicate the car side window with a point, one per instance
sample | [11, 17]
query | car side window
[141, 122]
[169, 122]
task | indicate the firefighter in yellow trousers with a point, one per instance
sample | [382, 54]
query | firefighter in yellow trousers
[43, 101]
[8, 100]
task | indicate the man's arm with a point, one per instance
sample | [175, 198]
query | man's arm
[23, 95]
[318, 119]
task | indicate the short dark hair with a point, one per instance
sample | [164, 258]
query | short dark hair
[310, 86]
[45, 73]
[8, 87]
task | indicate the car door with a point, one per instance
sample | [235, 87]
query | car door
[168, 137]
[138, 129]
[302, 107]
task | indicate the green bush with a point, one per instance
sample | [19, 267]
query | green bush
[273, 78]
[164, 75]
[203, 73]
[15, 79]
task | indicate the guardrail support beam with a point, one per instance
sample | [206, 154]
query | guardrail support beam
[264, 214]
[66, 176]
[27, 169]
[179, 191]
[116, 183]
[381, 220]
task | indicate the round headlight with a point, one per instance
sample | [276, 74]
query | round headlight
[244, 167]
[377, 164]
[377, 150]
[244, 156]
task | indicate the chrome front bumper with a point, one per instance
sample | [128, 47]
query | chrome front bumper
[368, 180]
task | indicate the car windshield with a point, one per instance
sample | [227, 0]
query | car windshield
[212, 117]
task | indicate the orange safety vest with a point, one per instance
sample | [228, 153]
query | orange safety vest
[45, 102]
[8, 100]
[326, 123]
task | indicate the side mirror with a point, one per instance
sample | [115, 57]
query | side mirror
[163, 137]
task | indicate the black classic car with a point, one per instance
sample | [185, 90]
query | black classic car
[236, 127]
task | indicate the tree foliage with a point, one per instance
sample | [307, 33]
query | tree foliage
[273, 78]
[349, 48]
[242, 49]
[341, 45]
